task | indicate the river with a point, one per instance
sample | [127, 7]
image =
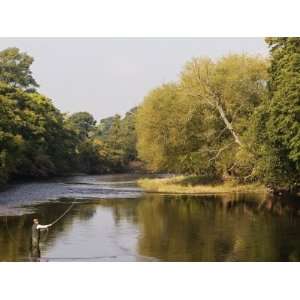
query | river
[113, 220]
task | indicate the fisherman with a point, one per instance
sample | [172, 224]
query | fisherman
[35, 233]
[35, 239]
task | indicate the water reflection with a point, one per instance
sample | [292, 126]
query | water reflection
[223, 228]
[35, 253]
[231, 227]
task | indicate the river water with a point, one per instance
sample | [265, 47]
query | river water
[113, 220]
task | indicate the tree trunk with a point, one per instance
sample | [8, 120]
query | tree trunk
[228, 124]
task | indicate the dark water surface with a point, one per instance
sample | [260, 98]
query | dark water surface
[113, 220]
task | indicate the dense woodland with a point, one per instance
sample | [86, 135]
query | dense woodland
[37, 140]
[232, 118]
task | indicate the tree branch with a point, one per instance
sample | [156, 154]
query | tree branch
[220, 151]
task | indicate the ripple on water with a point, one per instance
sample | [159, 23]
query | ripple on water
[14, 199]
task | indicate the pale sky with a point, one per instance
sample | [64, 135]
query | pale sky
[108, 76]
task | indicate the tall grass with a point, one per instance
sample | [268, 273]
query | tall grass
[195, 185]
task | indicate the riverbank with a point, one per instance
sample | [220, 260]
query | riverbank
[192, 185]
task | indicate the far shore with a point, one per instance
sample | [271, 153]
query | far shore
[192, 185]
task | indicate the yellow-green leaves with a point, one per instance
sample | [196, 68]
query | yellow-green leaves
[197, 124]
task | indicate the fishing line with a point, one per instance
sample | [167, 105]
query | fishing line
[62, 214]
[59, 218]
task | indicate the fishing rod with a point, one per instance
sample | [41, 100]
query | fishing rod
[59, 218]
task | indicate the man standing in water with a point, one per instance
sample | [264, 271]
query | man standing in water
[35, 238]
[35, 234]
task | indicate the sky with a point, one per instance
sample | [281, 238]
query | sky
[105, 76]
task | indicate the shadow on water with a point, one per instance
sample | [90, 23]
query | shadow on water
[230, 227]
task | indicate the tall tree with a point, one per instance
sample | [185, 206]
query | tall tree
[232, 87]
[129, 138]
[15, 69]
[83, 122]
[278, 119]
[199, 125]
[105, 125]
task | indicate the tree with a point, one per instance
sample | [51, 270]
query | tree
[119, 135]
[232, 87]
[15, 69]
[129, 137]
[11, 142]
[105, 125]
[199, 125]
[37, 140]
[84, 123]
[277, 120]
[155, 118]
[93, 157]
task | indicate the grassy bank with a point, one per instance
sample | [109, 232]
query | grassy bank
[194, 185]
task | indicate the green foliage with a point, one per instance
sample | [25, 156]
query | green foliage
[108, 147]
[84, 124]
[129, 138]
[15, 69]
[105, 125]
[37, 140]
[277, 120]
[93, 157]
[228, 118]
[234, 117]
[199, 125]
[119, 136]
[31, 129]
[169, 131]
